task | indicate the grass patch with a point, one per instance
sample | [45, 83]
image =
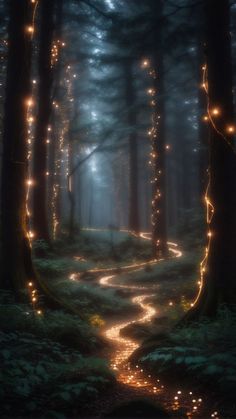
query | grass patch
[90, 299]
[101, 247]
[176, 269]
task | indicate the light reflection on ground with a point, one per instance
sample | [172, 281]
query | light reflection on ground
[125, 346]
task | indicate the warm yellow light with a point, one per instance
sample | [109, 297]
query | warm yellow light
[30, 284]
[30, 29]
[215, 111]
[205, 118]
[145, 63]
[29, 102]
[230, 129]
[39, 312]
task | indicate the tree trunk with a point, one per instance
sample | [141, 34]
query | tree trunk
[218, 270]
[71, 191]
[202, 126]
[159, 224]
[39, 204]
[133, 149]
[54, 153]
[17, 267]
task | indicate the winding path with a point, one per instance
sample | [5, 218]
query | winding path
[135, 377]
[124, 346]
[134, 381]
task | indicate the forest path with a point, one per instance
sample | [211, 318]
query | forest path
[132, 381]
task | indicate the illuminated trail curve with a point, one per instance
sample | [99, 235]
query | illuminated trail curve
[123, 346]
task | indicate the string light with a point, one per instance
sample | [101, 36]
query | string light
[145, 63]
[30, 29]
[230, 129]
[215, 111]
[29, 182]
[154, 161]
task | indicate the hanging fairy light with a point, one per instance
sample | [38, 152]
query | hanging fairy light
[214, 117]
[62, 152]
[154, 157]
[29, 102]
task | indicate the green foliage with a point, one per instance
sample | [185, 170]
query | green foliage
[206, 348]
[104, 247]
[170, 269]
[41, 378]
[90, 299]
[61, 327]
[57, 267]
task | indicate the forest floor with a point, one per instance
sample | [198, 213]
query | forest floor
[102, 362]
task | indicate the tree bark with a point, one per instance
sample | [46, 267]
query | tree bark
[133, 148]
[54, 147]
[71, 190]
[202, 126]
[219, 285]
[159, 222]
[39, 204]
[17, 267]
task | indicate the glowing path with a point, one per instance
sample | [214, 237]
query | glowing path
[124, 346]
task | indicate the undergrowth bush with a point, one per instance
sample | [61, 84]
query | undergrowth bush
[91, 299]
[58, 326]
[205, 349]
[40, 378]
[55, 267]
[171, 269]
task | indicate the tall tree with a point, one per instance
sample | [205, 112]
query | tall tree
[133, 146]
[159, 223]
[56, 117]
[218, 269]
[16, 253]
[39, 205]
